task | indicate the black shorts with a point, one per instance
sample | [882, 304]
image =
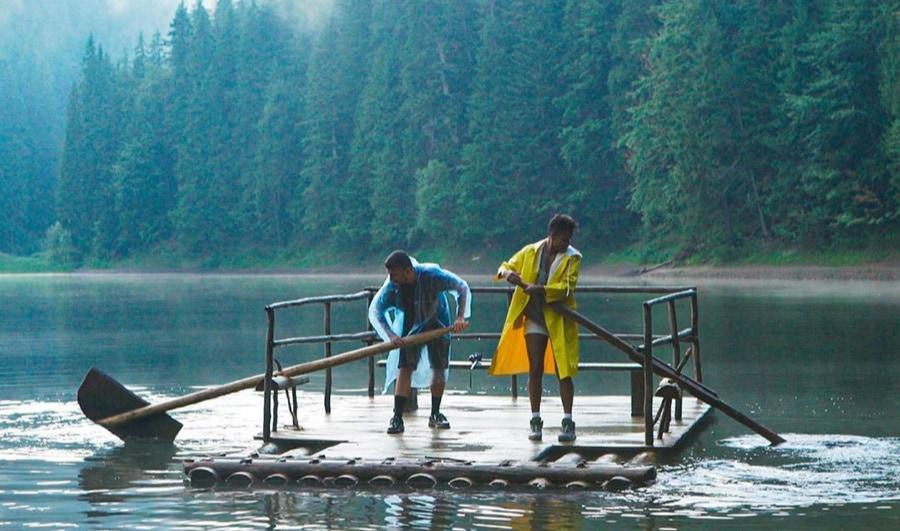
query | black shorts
[438, 354]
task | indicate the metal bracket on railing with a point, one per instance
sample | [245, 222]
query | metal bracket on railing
[475, 360]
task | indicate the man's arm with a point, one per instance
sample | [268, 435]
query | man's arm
[452, 282]
[381, 303]
[512, 266]
[511, 269]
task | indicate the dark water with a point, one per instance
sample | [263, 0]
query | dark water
[817, 362]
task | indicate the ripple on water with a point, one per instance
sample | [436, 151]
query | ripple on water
[56, 458]
[807, 470]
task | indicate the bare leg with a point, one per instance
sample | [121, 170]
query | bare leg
[567, 394]
[437, 388]
[536, 345]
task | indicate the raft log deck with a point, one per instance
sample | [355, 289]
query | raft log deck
[487, 443]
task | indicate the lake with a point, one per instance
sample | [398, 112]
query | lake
[816, 362]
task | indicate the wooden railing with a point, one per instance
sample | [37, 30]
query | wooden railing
[667, 295]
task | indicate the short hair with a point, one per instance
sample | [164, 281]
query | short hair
[561, 223]
[398, 259]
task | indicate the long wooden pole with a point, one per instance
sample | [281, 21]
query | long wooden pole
[663, 369]
[252, 381]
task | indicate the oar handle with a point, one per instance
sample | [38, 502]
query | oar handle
[665, 370]
[253, 381]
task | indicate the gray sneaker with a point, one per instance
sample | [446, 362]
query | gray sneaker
[438, 421]
[536, 426]
[567, 433]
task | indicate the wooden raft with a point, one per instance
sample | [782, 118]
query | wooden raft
[486, 446]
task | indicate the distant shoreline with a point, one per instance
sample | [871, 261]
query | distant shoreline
[889, 272]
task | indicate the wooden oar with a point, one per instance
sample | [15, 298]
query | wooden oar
[126, 415]
[665, 370]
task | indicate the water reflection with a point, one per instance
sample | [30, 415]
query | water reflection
[111, 475]
[796, 358]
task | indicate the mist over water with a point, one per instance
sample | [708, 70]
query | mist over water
[164, 336]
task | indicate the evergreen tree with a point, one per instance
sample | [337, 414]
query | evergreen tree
[377, 194]
[87, 206]
[836, 125]
[587, 138]
[696, 148]
[143, 174]
[201, 221]
[890, 98]
[337, 73]
[437, 64]
[270, 77]
[512, 177]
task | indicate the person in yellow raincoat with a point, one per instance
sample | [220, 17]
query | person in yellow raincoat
[536, 339]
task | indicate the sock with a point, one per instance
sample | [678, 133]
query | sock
[535, 414]
[567, 416]
[399, 402]
[436, 404]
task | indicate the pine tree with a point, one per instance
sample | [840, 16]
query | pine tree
[511, 164]
[85, 194]
[836, 124]
[200, 221]
[437, 64]
[337, 74]
[143, 174]
[600, 189]
[697, 149]
[378, 188]
[890, 100]
[269, 64]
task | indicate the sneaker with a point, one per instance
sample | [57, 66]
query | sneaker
[396, 425]
[567, 433]
[439, 421]
[536, 426]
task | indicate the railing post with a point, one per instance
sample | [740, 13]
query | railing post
[327, 355]
[369, 342]
[648, 376]
[267, 383]
[676, 352]
[695, 338]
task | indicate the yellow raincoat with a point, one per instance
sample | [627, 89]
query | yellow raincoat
[561, 356]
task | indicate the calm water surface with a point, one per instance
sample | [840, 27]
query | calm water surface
[816, 362]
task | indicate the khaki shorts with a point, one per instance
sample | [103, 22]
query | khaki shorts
[535, 327]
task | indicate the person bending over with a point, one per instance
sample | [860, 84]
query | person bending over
[414, 299]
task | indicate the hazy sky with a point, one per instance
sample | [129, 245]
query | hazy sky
[44, 40]
[114, 23]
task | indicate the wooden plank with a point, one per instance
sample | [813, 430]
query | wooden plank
[483, 428]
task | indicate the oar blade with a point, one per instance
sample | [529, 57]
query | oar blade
[101, 396]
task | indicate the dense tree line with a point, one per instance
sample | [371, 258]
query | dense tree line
[691, 125]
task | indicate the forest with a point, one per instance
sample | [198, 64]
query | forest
[675, 128]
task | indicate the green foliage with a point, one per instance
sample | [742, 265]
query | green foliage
[710, 129]
[332, 210]
[512, 177]
[890, 99]
[835, 122]
[588, 143]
